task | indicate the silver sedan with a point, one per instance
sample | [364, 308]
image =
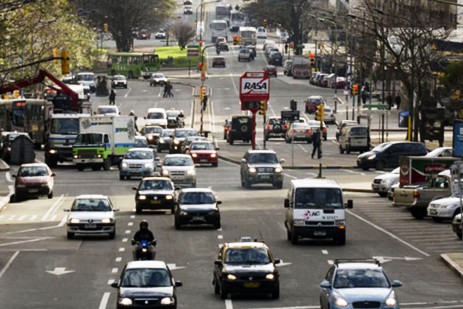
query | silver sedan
[299, 131]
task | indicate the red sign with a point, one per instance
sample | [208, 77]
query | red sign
[254, 86]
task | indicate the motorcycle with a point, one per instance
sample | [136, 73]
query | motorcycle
[145, 250]
[217, 50]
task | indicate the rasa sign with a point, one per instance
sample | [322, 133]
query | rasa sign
[254, 86]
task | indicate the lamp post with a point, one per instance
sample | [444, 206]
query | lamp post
[201, 26]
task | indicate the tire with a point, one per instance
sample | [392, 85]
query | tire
[223, 292]
[215, 164]
[128, 177]
[348, 150]
[138, 210]
[459, 235]
[231, 141]
[112, 235]
[288, 235]
[341, 240]
[379, 166]
[121, 177]
[96, 167]
[243, 128]
[177, 225]
[276, 292]
[382, 194]
[70, 235]
[50, 195]
[218, 225]
[107, 164]
[51, 162]
[418, 213]
[80, 167]
[437, 220]
[216, 288]
[172, 210]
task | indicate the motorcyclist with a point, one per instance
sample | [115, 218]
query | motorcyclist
[144, 234]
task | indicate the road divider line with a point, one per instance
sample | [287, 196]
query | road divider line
[104, 300]
[53, 208]
[228, 304]
[8, 264]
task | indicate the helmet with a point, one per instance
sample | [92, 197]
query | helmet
[132, 113]
[144, 224]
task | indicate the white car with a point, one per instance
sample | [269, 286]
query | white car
[107, 110]
[91, 214]
[138, 162]
[440, 152]
[160, 35]
[187, 10]
[382, 183]
[158, 78]
[329, 116]
[444, 208]
[119, 81]
[180, 168]
[87, 79]
[157, 116]
[261, 33]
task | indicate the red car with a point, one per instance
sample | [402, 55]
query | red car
[33, 179]
[271, 70]
[204, 152]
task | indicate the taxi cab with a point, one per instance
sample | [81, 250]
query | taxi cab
[246, 267]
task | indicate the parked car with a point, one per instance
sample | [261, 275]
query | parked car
[218, 61]
[246, 267]
[382, 183]
[287, 67]
[203, 152]
[261, 166]
[138, 162]
[456, 226]
[271, 70]
[180, 168]
[119, 81]
[275, 127]
[386, 155]
[33, 180]
[354, 138]
[440, 152]
[197, 206]
[154, 193]
[160, 35]
[148, 284]
[158, 78]
[91, 214]
[240, 129]
[244, 54]
[358, 283]
[299, 131]
[338, 82]
[312, 102]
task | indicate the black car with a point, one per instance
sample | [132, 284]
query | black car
[165, 140]
[246, 267]
[179, 137]
[386, 155]
[146, 284]
[240, 129]
[275, 58]
[155, 193]
[275, 127]
[197, 206]
[261, 166]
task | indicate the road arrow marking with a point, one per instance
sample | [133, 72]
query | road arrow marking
[58, 271]
[385, 259]
[174, 266]
[282, 264]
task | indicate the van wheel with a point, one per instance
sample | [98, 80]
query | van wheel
[107, 164]
[436, 219]
[80, 167]
[459, 235]
[341, 151]
[341, 240]
[294, 238]
[348, 150]
[418, 213]
[216, 287]
[288, 235]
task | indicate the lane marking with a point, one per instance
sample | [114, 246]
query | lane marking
[54, 207]
[8, 264]
[25, 241]
[325, 252]
[104, 300]
[118, 259]
[228, 304]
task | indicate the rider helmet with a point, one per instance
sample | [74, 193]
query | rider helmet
[144, 224]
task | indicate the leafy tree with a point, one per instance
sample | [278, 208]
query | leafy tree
[184, 33]
[125, 17]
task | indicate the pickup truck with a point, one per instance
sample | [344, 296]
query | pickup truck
[417, 197]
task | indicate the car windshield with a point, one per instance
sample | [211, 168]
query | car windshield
[380, 147]
[319, 198]
[64, 126]
[156, 185]
[202, 146]
[191, 198]
[145, 278]
[247, 256]
[173, 113]
[300, 126]
[34, 171]
[90, 204]
[177, 161]
[359, 131]
[106, 110]
[185, 133]
[151, 130]
[360, 278]
[158, 75]
[167, 133]
[141, 142]
[119, 77]
[139, 155]
[85, 77]
[263, 158]
[155, 115]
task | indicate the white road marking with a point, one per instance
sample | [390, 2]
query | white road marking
[25, 241]
[127, 232]
[234, 86]
[121, 249]
[118, 259]
[325, 252]
[125, 239]
[330, 262]
[8, 264]
[114, 270]
[127, 93]
[130, 224]
[104, 300]
[219, 236]
[54, 207]
[353, 172]
[228, 304]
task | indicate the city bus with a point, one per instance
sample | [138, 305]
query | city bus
[222, 11]
[26, 115]
[219, 28]
[237, 20]
[248, 35]
[133, 65]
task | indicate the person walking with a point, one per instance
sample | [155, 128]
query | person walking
[166, 90]
[316, 141]
[398, 100]
[169, 90]
[112, 98]
[389, 101]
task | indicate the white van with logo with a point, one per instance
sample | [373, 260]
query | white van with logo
[156, 116]
[315, 209]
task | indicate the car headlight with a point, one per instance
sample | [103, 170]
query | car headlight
[191, 172]
[52, 151]
[339, 301]
[176, 142]
[213, 155]
[125, 301]
[124, 164]
[372, 157]
[74, 221]
[169, 197]
[194, 155]
[391, 299]
[183, 213]
[165, 173]
[231, 277]
[107, 220]
[252, 170]
[148, 165]
[142, 197]
[167, 301]
[270, 277]
[278, 170]
[299, 222]
[150, 137]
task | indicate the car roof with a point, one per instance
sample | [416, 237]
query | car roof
[197, 190]
[157, 178]
[140, 149]
[146, 264]
[33, 164]
[156, 109]
[92, 196]
[177, 155]
[356, 265]
[315, 183]
[250, 244]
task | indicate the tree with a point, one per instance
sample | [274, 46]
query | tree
[184, 33]
[124, 17]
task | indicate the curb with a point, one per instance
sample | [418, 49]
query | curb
[452, 265]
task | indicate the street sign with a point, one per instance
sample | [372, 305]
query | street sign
[377, 106]
[249, 105]
[254, 86]
[192, 51]
[290, 115]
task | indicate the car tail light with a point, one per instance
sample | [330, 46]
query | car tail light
[309, 131]
[416, 194]
[291, 132]
[324, 129]
[286, 126]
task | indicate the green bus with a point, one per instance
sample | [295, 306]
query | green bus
[133, 65]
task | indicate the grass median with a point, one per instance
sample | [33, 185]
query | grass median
[174, 57]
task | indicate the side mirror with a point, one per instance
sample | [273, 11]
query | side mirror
[14, 176]
[53, 175]
[134, 188]
[243, 160]
[325, 284]
[218, 263]
[396, 283]
[286, 203]
[282, 161]
[115, 285]
[350, 204]
[219, 202]
[277, 261]
[116, 209]
[66, 210]
[178, 283]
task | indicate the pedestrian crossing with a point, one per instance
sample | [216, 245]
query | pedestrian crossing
[427, 235]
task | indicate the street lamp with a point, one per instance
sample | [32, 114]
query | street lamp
[201, 26]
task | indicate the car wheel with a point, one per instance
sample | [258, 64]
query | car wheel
[121, 177]
[217, 225]
[96, 167]
[138, 210]
[288, 234]
[459, 235]
[172, 210]
[216, 287]
[418, 213]
[128, 177]
[223, 292]
[215, 164]
[294, 238]
[276, 292]
[437, 220]
[70, 235]
[112, 235]
[107, 164]
[379, 165]
[50, 195]
[341, 239]
[80, 167]
[382, 194]
[177, 225]
[51, 162]
[231, 141]
[348, 150]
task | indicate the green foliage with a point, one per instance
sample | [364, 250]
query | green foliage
[179, 55]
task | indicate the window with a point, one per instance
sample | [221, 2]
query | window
[318, 198]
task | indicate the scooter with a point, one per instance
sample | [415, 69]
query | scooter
[144, 251]
[217, 50]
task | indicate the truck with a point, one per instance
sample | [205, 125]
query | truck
[62, 133]
[219, 28]
[427, 179]
[103, 141]
[300, 67]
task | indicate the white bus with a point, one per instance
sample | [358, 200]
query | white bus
[237, 20]
[218, 28]
[222, 11]
[248, 35]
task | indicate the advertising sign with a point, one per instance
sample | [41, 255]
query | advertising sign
[458, 138]
[254, 86]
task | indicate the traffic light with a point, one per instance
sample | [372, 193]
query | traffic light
[105, 27]
[263, 108]
[312, 60]
[320, 112]
[55, 53]
[202, 93]
[355, 89]
[65, 60]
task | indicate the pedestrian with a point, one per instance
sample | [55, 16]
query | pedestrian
[364, 95]
[166, 90]
[204, 103]
[286, 48]
[316, 141]
[389, 101]
[398, 100]
[169, 90]
[112, 97]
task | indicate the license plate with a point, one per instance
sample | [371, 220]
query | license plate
[198, 218]
[433, 212]
[264, 177]
[33, 190]
[173, 177]
[251, 284]
[319, 233]
[155, 202]
[203, 161]
[90, 226]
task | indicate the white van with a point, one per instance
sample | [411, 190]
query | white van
[315, 209]
[87, 79]
[157, 116]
